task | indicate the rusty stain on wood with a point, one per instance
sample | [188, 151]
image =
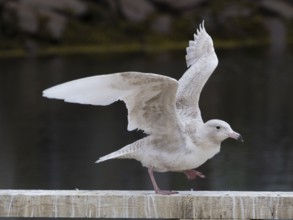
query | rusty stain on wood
[146, 204]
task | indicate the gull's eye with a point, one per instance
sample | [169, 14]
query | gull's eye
[218, 127]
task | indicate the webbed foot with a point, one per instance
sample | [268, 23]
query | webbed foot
[192, 174]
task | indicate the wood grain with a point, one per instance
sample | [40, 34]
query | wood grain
[146, 204]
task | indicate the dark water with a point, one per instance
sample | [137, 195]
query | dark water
[48, 144]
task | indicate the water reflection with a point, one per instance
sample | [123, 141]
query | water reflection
[49, 144]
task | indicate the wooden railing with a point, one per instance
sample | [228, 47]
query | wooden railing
[146, 204]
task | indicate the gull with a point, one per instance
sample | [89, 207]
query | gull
[167, 110]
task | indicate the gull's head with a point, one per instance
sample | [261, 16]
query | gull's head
[218, 131]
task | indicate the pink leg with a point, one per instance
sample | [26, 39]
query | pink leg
[192, 174]
[157, 189]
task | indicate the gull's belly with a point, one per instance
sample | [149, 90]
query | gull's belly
[162, 161]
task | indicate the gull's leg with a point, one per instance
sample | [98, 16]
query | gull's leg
[192, 174]
[156, 188]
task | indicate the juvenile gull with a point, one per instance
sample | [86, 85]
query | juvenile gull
[165, 109]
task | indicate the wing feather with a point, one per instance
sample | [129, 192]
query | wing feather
[82, 91]
[150, 98]
[202, 61]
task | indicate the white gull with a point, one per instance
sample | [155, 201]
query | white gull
[165, 109]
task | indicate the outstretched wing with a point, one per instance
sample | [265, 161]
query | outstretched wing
[150, 98]
[202, 61]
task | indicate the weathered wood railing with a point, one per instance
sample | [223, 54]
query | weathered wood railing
[146, 204]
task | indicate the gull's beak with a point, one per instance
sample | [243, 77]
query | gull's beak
[236, 136]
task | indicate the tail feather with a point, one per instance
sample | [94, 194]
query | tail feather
[125, 152]
[117, 154]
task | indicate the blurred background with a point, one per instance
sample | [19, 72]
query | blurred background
[49, 144]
